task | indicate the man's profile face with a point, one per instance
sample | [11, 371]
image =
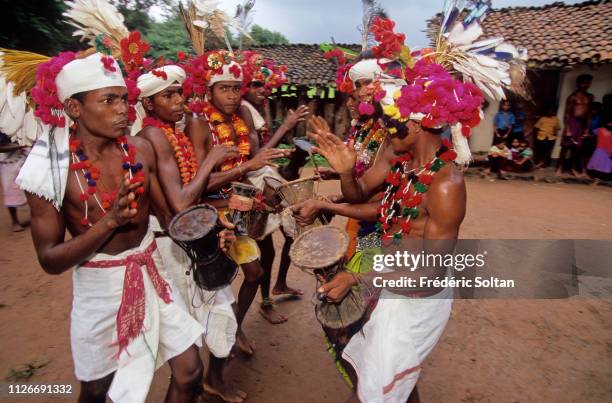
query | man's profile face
[167, 105]
[225, 96]
[256, 93]
[104, 112]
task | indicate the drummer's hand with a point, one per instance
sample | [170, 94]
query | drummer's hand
[341, 156]
[339, 286]
[264, 157]
[307, 211]
[226, 236]
[327, 173]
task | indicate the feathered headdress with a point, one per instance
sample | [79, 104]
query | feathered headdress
[492, 64]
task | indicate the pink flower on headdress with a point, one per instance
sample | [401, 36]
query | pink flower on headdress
[44, 92]
[160, 73]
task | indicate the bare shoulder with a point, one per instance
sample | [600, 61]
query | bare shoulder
[143, 146]
[448, 183]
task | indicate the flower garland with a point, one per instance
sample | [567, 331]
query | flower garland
[184, 153]
[91, 173]
[400, 203]
[367, 140]
[222, 134]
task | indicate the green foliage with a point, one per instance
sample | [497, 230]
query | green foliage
[262, 36]
[36, 26]
[167, 38]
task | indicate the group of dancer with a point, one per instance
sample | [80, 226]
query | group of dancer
[128, 143]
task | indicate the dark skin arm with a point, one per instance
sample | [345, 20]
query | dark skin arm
[181, 196]
[48, 229]
[307, 211]
[342, 157]
[291, 120]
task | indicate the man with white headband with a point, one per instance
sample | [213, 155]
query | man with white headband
[183, 182]
[85, 175]
[216, 122]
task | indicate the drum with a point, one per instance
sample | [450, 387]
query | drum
[298, 190]
[242, 215]
[321, 250]
[271, 194]
[195, 231]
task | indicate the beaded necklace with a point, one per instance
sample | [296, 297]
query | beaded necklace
[91, 173]
[184, 153]
[400, 203]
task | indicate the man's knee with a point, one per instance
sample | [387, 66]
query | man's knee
[253, 272]
[190, 370]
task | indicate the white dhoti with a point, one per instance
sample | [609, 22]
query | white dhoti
[119, 295]
[212, 309]
[388, 352]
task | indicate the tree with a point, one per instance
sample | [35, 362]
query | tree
[167, 38]
[136, 12]
[36, 26]
[262, 36]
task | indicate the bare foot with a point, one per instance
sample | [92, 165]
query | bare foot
[17, 227]
[271, 314]
[225, 392]
[243, 344]
[294, 292]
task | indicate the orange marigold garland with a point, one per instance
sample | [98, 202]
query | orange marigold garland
[222, 134]
[184, 153]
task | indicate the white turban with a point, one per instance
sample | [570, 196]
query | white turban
[87, 74]
[150, 84]
[36, 175]
[227, 75]
[367, 69]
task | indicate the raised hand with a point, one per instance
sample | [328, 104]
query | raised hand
[123, 210]
[316, 124]
[294, 117]
[341, 156]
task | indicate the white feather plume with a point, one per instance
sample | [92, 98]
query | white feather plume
[96, 17]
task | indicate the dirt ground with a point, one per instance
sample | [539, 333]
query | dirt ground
[491, 351]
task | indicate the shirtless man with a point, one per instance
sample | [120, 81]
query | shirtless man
[577, 121]
[440, 215]
[224, 93]
[111, 243]
[252, 112]
[161, 98]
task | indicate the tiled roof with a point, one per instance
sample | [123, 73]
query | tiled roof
[557, 34]
[305, 63]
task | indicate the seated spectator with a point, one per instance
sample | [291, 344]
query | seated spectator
[524, 161]
[547, 128]
[498, 157]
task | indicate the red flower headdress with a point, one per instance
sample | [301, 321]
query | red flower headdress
[256, 68]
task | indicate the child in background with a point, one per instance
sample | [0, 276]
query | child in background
[547, 128]
[600, 164]
[524, 161]
[11, 160]
[503, 122]
[498, 157]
